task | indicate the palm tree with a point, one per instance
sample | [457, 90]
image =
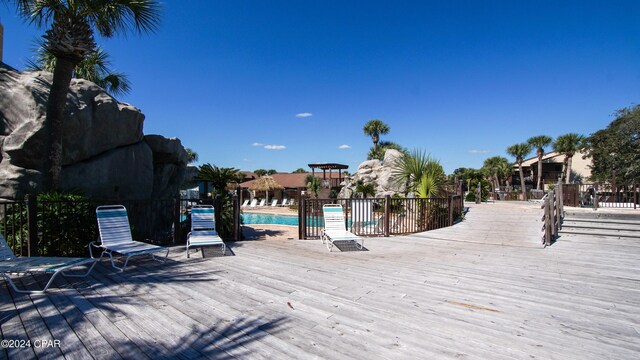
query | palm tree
[493, 167]
[569, 145]
[70, 38]
[539, 142]
[411, 169]
[192, 156]
[365, 189]
[219, 177]
[375, 128]
[260, 172]
[520, 151]
[94, 67]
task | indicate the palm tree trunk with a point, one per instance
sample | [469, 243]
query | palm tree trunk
[53, 123]
[375, 139]
[569, 161]
[522, 187]
[539, 170]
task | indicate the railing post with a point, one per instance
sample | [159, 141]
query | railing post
[387, 214]
[547, 222]
[450, 203]
[177, 227]
[32, 224]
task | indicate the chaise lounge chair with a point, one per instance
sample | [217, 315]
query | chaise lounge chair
[263, 202]
[115, 237]
[245, 203]
[10, 264]
[274, 203]
[254, 202]
[284, 202]
[203, 229]
[335, 228]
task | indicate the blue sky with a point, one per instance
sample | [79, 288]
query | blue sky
[461, 80]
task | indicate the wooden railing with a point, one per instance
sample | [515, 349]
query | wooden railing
[602, 195]
[553, 215]
[382, 216]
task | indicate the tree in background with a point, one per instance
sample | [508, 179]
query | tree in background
[314, 185]
[539, 143]
[616, 149]
[300, 171]
[569, 145]
[520, 151]
[95, 67]
[494, 169]
[260, 172]
[192, 156]
[378, 152]
[271, 172]
[70, 38]
[374, 128]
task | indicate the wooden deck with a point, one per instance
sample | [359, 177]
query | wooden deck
[483, 289]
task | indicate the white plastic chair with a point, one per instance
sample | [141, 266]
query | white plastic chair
[284, 202]
[203, 229]
[245, 203]
[115, 237]
[254, 202]
[10, 264]
[335, 228]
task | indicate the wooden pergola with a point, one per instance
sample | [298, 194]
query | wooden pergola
[328, 166]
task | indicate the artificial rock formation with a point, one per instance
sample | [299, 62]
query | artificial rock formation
[376, 172]
[105, 153]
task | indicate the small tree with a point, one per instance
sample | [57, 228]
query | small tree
[271, 172]
[365, 190]
[378, 152]
[260, 172]
[192, 156]
[300, 171]
[520, 151]
[314, 185]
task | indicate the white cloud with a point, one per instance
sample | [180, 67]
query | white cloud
[246, 160]
[257, 144]
[304, 115]
[344, 147]
[275, 147]
[478, 151]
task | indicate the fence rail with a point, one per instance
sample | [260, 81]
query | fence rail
[382, 216]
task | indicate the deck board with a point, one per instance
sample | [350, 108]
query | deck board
[484, 288]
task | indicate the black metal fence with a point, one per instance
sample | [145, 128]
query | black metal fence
[65, 228]
[382, 216]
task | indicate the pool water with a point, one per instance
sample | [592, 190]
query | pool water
[275, 219]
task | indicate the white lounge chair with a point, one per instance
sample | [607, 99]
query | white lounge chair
[274, 203]
[262, 203]
[10, 264]
[203, 229]
[335, 228]
[284, 202]
[245, 203]
[115, 237]
[254, 202]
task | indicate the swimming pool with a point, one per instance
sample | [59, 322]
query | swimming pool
[275, 219]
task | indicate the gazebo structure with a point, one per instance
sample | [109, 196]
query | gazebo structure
[330, 182]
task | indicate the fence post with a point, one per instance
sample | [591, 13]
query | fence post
[635, 195]
[32, 224]
[450, 201]
[547, 222]
[560, 208]
[301, 215]
[236, 214]
[387, 214]
[176, 219]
